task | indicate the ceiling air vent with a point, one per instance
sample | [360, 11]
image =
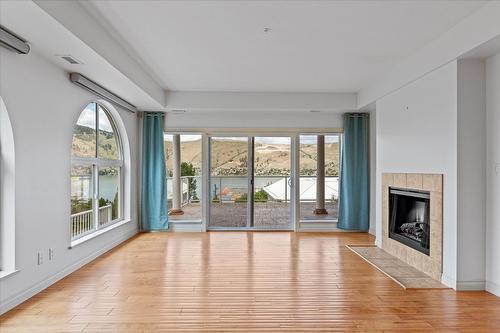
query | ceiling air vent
[70, 59]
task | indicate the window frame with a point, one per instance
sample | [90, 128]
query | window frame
[201, 176]
[340, 136]
[96, 163]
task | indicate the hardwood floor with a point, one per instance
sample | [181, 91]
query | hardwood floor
[244, 281]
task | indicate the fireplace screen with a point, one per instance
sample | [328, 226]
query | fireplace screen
[409, 221]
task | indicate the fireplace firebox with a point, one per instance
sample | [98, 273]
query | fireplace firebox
[409, 220]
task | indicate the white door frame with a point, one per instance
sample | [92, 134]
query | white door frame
[250, 176]
[294, 133]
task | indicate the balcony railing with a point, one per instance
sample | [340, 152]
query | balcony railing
[188, 194]
[82, 223]
[278, 188]
[230, 188]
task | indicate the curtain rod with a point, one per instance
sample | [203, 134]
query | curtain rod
[95, 88]
[357, 114]
[154, 113]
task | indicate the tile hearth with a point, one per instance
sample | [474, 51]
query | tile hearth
[405, 275]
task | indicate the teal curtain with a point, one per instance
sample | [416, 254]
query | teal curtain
[154, 214]
[354, 173]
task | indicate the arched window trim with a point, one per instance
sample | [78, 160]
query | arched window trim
[7, 194]
[97, 163]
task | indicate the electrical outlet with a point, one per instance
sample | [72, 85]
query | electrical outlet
[51, 254]
[40, 258]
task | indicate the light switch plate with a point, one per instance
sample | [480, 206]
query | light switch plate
[497, 168]
[51, 254]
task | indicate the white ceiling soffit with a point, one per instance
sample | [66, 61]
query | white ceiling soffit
[485, 50]
[475, 36]
[311, 46]
[48, 37]
[248, 101]
[98, 36]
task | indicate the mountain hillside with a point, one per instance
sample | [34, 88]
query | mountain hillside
[230, 158]
[84, 143]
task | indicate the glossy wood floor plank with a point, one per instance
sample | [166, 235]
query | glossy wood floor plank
[245, 282]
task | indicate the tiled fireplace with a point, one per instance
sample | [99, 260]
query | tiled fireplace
[412, 219]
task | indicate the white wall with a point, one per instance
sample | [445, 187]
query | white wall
[417, 133]
[493, 174]
[471, 166]
[373, 173]
[43, 107]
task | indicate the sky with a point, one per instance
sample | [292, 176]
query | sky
[87, 118]
[184, 137]
[311, 139]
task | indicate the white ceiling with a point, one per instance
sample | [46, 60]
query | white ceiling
[313, 46]
[49, 38]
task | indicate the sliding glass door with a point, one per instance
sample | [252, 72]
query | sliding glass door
[229, 182]
[272, 182]
[250, 182]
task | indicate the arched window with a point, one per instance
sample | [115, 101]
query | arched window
[96, 172]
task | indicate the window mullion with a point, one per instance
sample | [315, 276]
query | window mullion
[83, 161]
[96, 130]
[95, 199]
[96, 169]
[109, 163]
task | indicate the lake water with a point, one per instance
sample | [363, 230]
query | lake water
[239, 184]
[108, 186]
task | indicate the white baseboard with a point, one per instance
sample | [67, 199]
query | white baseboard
[15, 300]
[493, 288]
[378, 242]
[470, 285]
[318, 226]
[448, 281]
[184, 226]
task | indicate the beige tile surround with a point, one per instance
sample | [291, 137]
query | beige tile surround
[405, 275]
[430, 264]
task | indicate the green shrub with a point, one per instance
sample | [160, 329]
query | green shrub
[260, 196]
[242, 198]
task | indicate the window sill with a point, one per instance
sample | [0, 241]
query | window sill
[5, 274]
[318, 221]
[98, 233]
[183, 221]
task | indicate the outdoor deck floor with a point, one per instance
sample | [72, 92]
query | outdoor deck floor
[267, 214]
